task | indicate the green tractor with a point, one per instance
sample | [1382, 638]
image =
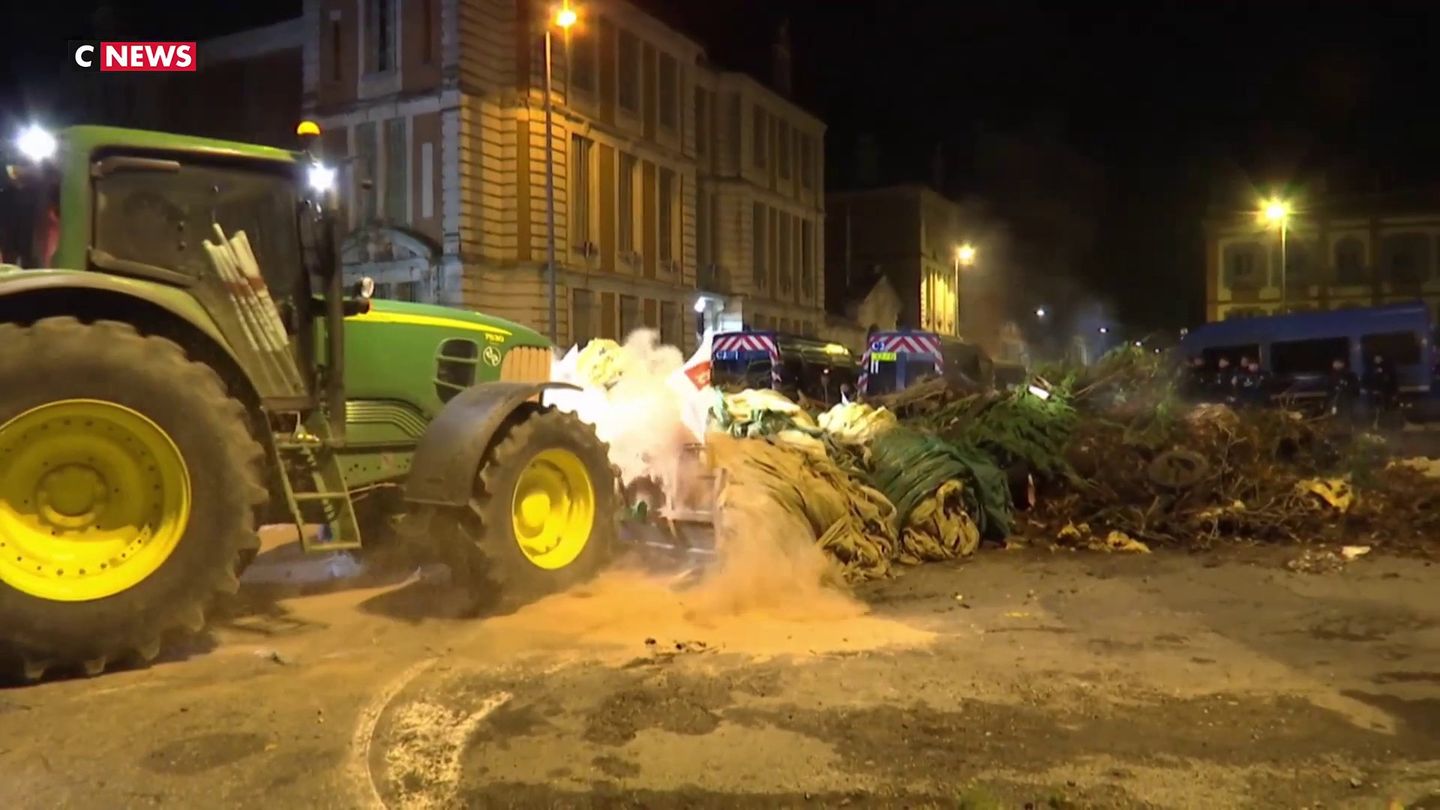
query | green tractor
[181, 363]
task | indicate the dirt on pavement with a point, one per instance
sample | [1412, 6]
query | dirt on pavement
[1053, 680]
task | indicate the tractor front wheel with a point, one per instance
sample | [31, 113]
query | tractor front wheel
[543, 513]
[128, 482]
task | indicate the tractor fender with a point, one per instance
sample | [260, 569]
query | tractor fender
[29, 295]
[173, 300]
[449, 453]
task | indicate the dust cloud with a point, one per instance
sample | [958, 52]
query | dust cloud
[769, 589]
[642, 416]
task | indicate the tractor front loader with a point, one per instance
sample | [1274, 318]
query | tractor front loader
[180, 363]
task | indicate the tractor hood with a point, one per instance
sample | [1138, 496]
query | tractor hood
[404, 312]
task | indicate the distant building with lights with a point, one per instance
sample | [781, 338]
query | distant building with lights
[685, 196]
[911, 237]
[1340, 251]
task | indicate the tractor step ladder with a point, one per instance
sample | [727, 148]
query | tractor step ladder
[308, 457]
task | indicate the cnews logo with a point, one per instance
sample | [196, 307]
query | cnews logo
[165, 57]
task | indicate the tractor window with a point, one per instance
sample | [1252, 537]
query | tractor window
[164, 218]
[29, 220]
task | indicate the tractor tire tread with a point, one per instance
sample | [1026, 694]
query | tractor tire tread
[499, 575]
[141, 634]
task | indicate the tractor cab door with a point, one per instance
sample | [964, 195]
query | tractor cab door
[169, 218]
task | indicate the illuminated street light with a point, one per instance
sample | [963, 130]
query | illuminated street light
[965, 254]
[1104, 330]
[1139, 343]
[1041, 312]
[1275, 212]
[36, 143]
[564, 17]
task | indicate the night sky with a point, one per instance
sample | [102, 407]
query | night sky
[1095, 136]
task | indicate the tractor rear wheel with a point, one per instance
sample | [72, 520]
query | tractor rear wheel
[128, 485]
[544, 509]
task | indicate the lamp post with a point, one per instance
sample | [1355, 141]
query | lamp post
[1277, 213]
[964, 257]
[563, 18]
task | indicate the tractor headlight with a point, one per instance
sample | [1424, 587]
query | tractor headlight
[36, 143]
[322, 178]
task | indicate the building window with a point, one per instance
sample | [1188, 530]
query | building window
[807, 163]
[1350, 261]
[670, 327]
[772, 253]
[625, 215]
[629, 93]
[733, 131]
[782, 149]
[427, 180]
[759, 136]
[667, 216]
[335, 49]
[786, 265]
[807, 258]
[427, 32]
[607, 316]
[397, 175]
[365, 164]
[629, 315]
[1297, 263]
[669, 91]
[380, 35]
[702, 228]
[1242, 266]
[582, 316]
[1405, 258]
[580, 191]
[702, 121]
[757, 244]
[585, 50]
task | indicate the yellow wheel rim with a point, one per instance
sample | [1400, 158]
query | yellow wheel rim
[94, 497]
[553, 509]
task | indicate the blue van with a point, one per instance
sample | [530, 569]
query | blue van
[1298, 348]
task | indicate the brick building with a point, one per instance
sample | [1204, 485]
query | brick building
[666, 170]
[1341, 250]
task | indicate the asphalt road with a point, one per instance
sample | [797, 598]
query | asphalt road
[1056, 680]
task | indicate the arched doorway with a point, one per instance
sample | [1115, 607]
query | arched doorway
[403, 264]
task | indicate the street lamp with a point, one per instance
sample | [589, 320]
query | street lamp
[563, 18]
[1276, 213]
[36, 143]
[964, 257]
[1041, 312]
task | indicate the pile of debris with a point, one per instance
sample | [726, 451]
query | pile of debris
[1106, 457]
[1122, 462]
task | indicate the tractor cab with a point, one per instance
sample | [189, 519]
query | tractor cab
[248, 234]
